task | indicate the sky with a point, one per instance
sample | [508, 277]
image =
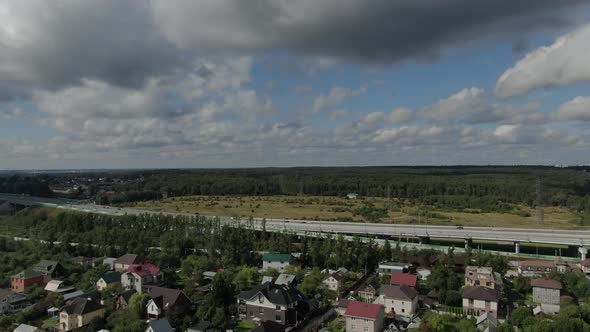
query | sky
[258, 83]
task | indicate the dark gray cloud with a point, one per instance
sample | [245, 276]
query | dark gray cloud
[359, 30]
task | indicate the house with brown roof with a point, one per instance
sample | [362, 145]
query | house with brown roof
[165, 301]
[364, 317]
[26, 279]
[138, 276]
[269, 301]
[334, 281]
[406, 279]
[123, 299]
[122, 263]
[478, 300]
[480, 276]
[78, 313]
[534, 268]
[398, 300]
[547, 293]
[585, 266]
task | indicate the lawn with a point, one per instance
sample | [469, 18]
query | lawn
[341, 209]
[244, 326]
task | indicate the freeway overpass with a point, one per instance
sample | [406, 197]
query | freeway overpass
[572, 238]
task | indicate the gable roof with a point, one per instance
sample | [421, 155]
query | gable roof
[401, 292]
[81, 306]
[546, 283]
[276, 294]
[111, 277]
[161, 325]
[404, 279]
[169, 297]
[285, 279]
[129, 259]
[45, 266]
[28, 274]
[126, 295]
[487, 316]
[481, 293]
[144, 269]
[200, 326]
[26, 328]
[363, 310]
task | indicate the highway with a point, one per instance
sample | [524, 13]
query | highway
[516, 235]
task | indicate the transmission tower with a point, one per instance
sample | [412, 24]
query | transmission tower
[539, 201]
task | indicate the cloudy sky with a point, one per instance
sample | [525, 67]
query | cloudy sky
[234, 83]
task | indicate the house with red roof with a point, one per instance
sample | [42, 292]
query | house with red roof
[404, 279]
[364, 317]
[140, 275]
[122, 263]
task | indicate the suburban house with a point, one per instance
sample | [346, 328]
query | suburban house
[391, 267]
[11, 302]
[268, 301]
[122, 263]
[123, 299]
[423, 273]
[334, 281]
[585, 266]
[486, 322]
[532, 268]
[165, 301]
[478, 300]
[364, 317]
[87, 261]
[547, 293]
[51, 269]
[138, 276]
[405, 279]
[58, 286]
[398, 300]
[479, 276]
[79, 312]
[160, 325]
[108, 279]
[285, 279]
[367, 293]
[26, 279]
[27, 328]
[278, 261]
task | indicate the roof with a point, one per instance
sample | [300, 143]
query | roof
[53, 285]
[285, 279]
[26, 328]
[45, 266]
[401, 292]
[343, 303]
[144, 269]
[161, 325]
[487, 316]
[404, 279]
[481, 293]
[276, 294]
[111, 277]
[546, 283]
[585, 262]
[200, 326]
[129, 259]
[363, 310]
[266, 279]
[269, 326]
[4, 293]
[28, 274]
[537, 263]
[72, 295]
[81, 306]
[277, 257]
[126, 295]
[169, 297]
[394, 264]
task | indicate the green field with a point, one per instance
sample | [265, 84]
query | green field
[361, 210]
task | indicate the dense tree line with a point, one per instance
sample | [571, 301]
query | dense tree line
[29, 185]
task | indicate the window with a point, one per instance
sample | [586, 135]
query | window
[352, 327]
[403, 310]
[278, 307]
[470, 301]
[278, 318]
[260, 310]
[251, 313]
[488, 303]
[366, 328]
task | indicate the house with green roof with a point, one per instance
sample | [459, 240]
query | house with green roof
[51, 269]
[108, 279]
[278, 261]
[26, 279]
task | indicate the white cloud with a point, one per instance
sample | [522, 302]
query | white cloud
[336, 97]
[577, 109]
[564, 62]
[338, 114]
[11, 114]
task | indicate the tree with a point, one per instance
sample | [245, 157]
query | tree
[138, 303]
[246, 277]
[125, 320]
[520, 315]
[219, 318]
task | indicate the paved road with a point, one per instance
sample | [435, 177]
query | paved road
[549, 236]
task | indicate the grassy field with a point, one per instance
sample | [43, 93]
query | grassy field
[341, 209]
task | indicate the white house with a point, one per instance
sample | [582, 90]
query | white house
[334, 281]
[423, 273]
[391, 267]
[364, 317]
[398, 300]
[479, 300]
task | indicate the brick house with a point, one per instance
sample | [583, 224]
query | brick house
[478, 300]
[547, 293]
[26, 279]
[78, 313]
[398, 300]
[364, 317]
[122, 263]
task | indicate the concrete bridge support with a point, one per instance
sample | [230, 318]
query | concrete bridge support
[517, 247]
[468, 243]
[583, 252]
